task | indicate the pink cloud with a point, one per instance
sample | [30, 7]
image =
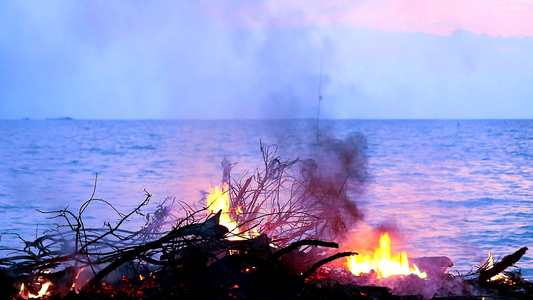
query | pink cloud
[441, 17]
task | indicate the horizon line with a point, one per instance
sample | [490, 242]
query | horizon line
[261, 119]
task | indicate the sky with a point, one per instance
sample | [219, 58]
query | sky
[236, 59]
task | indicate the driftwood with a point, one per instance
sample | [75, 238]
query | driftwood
[497, 268]
[434, 266]
[212, 230]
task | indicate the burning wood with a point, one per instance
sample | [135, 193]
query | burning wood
[492, 269]
[256, 237]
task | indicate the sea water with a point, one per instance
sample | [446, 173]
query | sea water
[458, 188]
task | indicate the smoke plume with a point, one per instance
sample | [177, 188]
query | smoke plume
[337, 173]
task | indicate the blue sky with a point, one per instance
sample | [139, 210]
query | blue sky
[226, 60]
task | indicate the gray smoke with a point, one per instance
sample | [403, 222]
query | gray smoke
[336, 175]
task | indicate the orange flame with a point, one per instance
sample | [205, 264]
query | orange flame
[42, 292]
[76, 280]
[218, 199]
[383, 262]
[490, 264]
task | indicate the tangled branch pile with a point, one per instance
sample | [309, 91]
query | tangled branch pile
[197, 257]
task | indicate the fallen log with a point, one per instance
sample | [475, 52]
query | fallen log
[209, 229]
[500, 266]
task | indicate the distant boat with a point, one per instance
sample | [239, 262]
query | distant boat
[60, 119]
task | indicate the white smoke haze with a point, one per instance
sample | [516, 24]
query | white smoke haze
[226, 60]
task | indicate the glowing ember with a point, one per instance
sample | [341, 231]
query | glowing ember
[383, 262]
[42, 292]
[218, 199]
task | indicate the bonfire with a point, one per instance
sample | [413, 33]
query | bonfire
[279, 232]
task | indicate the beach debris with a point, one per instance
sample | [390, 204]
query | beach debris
[255, 237]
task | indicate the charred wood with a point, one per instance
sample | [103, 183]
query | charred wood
[507, 261]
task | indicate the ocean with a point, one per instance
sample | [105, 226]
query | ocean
[455, 188]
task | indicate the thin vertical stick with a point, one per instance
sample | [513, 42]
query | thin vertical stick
[319, 99]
